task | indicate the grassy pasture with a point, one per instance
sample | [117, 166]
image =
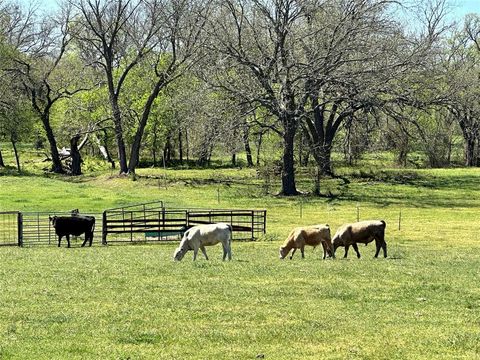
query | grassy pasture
[123, 302]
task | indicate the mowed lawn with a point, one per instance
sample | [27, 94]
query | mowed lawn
[134, 302]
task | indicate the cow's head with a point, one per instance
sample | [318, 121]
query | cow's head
[53, 220]
[182, 248]
[336, 242]
[327, 243]
[283, 252]
[329, 248]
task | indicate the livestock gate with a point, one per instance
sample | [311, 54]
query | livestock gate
[140, 223]
[154, 222]
[10, 228]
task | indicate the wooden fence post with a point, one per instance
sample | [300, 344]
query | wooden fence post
[399, 220]
[253, 225]
[264, 221]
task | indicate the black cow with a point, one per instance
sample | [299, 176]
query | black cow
[74, 225]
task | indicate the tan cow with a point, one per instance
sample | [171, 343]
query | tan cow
[362, 232]
[308, 235]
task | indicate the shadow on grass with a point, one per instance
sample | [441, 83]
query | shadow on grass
[411, 188]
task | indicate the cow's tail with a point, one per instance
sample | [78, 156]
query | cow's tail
[384, 223]
[93, 225]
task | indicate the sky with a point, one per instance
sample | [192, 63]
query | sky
[465, 7]
[459, 7]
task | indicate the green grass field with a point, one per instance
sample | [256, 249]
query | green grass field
[134, 302]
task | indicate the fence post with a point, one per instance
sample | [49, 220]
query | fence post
[104, 228]
[253, 225]
[131, 226]
[264, 221]
[358, 213]
[163, 218]
[399, 220]
[20, 228]
[301, 209]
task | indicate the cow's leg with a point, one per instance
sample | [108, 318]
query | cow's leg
[225, 250]
[195, 252]
[204, 251]
[229, 250]
[335, 247]
[384, 247]
[68, 240]
[355, 247]
[324, 251]
[302, 250]
[59, 240]
[86, 239]
[346, 251]
[293, 252]
[378, 245]
[90, 239]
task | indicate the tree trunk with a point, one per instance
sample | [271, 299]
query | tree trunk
[15, 151]
[470, 152]
[259, 146]
[117, 119]
[167, 150]
[76, 167]
[155, 146]
[288, 169]
[2, 164]
[320, 134]
[187, 145]
[137, 142]
[325, 159]
[180, 146]
[56, 163]
[246, 144]
[234, 159]
[318, 174]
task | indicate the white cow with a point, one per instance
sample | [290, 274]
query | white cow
[200, 236]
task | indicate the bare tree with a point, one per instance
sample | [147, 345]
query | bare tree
[315, 62]
[369, 63]
[118, 35]
[461, 68]
[38, 48]
[254, 46]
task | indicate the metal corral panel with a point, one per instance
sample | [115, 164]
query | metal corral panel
[10, 228]
[38, 230]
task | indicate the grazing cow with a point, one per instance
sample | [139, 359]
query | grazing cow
[308, 235]
[362, 232]
[199, 236]
[74, 225]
